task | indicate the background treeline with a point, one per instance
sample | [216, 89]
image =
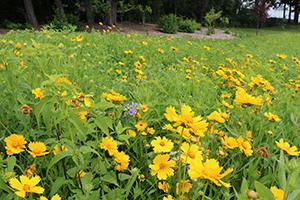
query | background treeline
[241, 13]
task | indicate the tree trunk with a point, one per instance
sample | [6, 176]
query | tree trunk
[111, 15]
[30, 13]
[257, 15]
[290, 14]
[296, 12]
[60, 7]
[284, 9]
[89, 12]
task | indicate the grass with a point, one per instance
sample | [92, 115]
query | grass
[88, 65]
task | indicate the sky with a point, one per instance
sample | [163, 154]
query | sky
[278, 13]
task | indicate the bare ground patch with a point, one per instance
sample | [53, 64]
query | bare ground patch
[151, 29]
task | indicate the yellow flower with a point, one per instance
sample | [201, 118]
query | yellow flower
[282, 56]
[162, 145]
[18, 45]
[123, 161]
[56, 197]
[162, 167]
[43, 198]
[220, 117]
[169, 197]
[132, 133]
[229, 142]
[62, 94]
[174, 48]
[150, 130]
[209, 170]
[39, 94]
[58, 149]
[245, 146]
[227, 105]
[14, 144]
[144, 107]
[183, 186]
[138, 65]
[30, 169]
[161, 51]
[87, 101]
[63, 80]
[195, 124]
[110, 145]
[127, 52]
[37, 149]
[243, 98]
[141, 126]
[277, 193]
[78, 38]
[190, 153]
[271, 117]
[26, 185]
[83, 114]
[293, 151]
[164, 186]
[114, 96]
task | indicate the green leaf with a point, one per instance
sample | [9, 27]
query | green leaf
[134, 174]
[4, 186]
[295, 195]
[60, 181]
[244, 187]
[61, 155]
[123, 176]
[110, 178]
[78, 124]
[119, 128]
[263, 192]
[88, 149]
[104, 123]
[281, 171]
[11, 163]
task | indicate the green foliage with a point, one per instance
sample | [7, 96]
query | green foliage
[188, 25]
[210, 20]
[168, 23]
[16, 26]
[192, 74]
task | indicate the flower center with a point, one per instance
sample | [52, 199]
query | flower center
[162, 143]
[26, 188]
[163, 165]
[191, 154]
[15, 144]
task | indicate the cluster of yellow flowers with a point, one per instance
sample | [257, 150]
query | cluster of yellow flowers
[15, 144]
[114, 96]
[111, 146]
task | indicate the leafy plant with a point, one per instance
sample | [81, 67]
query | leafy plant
[188, 25]
[210, 20]
[169, 23]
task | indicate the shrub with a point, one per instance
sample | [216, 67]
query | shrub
[62, 22]
[210, 18]
[188, 26]
[168, 23]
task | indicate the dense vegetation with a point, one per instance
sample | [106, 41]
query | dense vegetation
[247, 13]
[115, 116]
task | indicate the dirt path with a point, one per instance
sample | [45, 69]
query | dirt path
[151, 29]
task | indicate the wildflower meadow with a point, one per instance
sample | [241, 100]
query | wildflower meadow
[104, 115]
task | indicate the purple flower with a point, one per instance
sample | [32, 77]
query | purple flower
[131, 109]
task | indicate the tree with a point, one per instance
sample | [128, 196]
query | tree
[60, 8]
[30, 14]
[89, 12]
[296, 11]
